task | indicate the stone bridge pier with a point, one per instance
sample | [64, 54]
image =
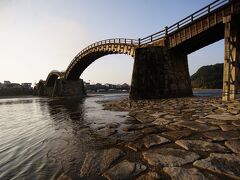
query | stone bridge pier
[160, 73]
[63, 88]
[231, 75]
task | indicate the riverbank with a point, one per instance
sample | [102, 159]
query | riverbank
[186, 138]
[17, 96]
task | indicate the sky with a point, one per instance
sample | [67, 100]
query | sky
[37, 36]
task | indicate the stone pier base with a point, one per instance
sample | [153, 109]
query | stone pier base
[64, 88]
[158, 73]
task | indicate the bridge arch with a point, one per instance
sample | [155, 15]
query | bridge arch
[52, 76]
[96, 51]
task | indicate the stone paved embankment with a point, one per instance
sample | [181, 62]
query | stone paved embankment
[186, 138]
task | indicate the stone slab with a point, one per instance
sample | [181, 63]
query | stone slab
[200, 145]
[149, 176]
[125, 170]
[222, 135]
[143, 118]
[148, 141]
[226, 164]
[154, 139]
[223, 117]
[136, 146]
[211, 121]
[179, 173]
[195, 126]
[161, 121]
[158, 114]
[229, 127]
[169, 157]
[96, 162]
[177, 134]
[234, 145]
[236, 123]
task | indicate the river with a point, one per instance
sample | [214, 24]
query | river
[42, 138]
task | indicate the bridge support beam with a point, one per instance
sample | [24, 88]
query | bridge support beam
[159, 73]
[231, 74]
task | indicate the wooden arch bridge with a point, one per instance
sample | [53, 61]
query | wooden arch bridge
[160, 60]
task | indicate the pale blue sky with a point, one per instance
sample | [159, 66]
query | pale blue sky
[37, 36]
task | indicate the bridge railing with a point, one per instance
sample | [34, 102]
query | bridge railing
[189, 19]
[133, 42]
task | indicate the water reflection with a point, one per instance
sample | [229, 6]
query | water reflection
[42, 138]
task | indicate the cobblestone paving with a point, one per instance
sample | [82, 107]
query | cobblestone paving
[185, 138]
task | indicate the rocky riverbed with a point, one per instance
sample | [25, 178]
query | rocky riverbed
[185, 138]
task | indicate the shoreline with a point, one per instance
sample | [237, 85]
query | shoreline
[20, 96]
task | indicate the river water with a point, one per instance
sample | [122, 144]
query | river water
[42, 138]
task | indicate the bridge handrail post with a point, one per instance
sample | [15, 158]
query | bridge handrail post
[139, 42]
[166, 31]
[192, 18]
[209, 9]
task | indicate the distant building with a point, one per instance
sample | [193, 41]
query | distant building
[14, 85]
[26, 85]
[6, 82]
[86, 84]
[125, 86]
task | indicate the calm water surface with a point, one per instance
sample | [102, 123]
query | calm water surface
[41, 138]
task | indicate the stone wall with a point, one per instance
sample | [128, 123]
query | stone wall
[159, 73]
